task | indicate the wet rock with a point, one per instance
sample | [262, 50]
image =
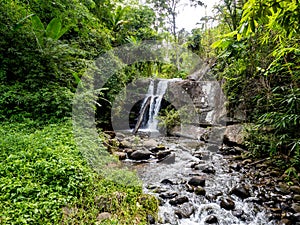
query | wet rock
[161, 202]
[151, 143]
[200, 166]
[211, 219]
[168, 195]
[238, 213]
[198, 155]
[230, 151]
[150, 219]
[295, 189]
[169, 159]
[247, 161]
[282, 188]
[160, 190]
[120, 136]
[286, 222]
[296, 217]
[158, 148]
[167, 181]
[261, 166]
[274, 173]
[275, 210]
[209, 170]
[296, 207]
[197, 181]
[179, 200]
[163, 154]
[111, 134]
[275, 216]
[242, 191]
[125, 144]
[103, 216]
[140, 154]
[213, 197]
[296, 198]
[185, 210]
[120, 155]
[205, 156]
[238, 157]
[284, 206]
[213, 148]
[200, 191]
[235, 166]
[227, 203]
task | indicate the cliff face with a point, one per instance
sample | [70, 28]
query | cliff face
[204, 100]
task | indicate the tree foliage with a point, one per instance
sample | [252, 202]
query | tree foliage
[259, 63]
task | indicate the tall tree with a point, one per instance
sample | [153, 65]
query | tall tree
[168, 10]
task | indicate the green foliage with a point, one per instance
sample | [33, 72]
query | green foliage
[259, 64]
[45, 180]
[168, 119]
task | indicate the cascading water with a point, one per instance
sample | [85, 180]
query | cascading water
[155, 104]
[155, 94]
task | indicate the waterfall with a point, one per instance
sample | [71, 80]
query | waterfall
[155, 103]
[151, 105]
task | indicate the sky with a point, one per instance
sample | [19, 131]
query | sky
[189, 16]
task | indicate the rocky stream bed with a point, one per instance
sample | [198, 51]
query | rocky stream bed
[201, 183]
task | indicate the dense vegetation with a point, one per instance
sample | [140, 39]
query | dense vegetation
[46, 47]
[258, 61]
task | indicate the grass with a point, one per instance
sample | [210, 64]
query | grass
[44, 179]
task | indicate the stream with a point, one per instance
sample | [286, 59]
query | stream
[214, 200]
[194, 181]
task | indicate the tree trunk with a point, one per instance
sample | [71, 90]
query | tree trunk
[141, 116]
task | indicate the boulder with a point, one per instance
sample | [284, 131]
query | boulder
[120, 155]
[296, 207]
[167, 181]
[168, 195]
[163, 154]
[211, 219]
[242, 191]
[238, 213]
[200, 191]
[234, 135]
[185, 210]
[169, 159]
[140, 155]
[179, 200]
[197, 181]
[125, 144]
[295, 189]
[151, 144]
[209, 170]
[227, 203]
[296, 198]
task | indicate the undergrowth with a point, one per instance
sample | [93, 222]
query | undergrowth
[45, 180]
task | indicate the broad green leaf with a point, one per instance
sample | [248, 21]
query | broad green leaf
[38, 29]
[53, 29]
[62, 32]
[37, 25]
